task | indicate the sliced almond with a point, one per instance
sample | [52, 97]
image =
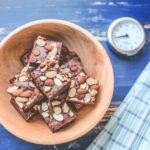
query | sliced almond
[21, 99]
[92, 92]
[66, 70]
[58, 117]
[58, 82]
[55, 103]
[56, 66]
[51, 74]
[57, 110]
[20, 104]
[62, 66]
[82, 74]
[12, 89]
[43, 78]
[40, 42]
[71, 113]
[73, 99]
[47, 88]
[52, 53]
[44, 106]
[45, 114]
[35, 107]
[23, 78]
[65, 108]
[83, 86]
[72, 84]
[72, 92]
[60, 77]
[87, 98]
[91, 81]
[44, 69]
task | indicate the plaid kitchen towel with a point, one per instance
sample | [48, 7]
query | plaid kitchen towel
[129, 126]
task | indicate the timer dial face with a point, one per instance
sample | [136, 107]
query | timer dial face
[126, 35]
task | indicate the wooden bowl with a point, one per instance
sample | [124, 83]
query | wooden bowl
[95, 61]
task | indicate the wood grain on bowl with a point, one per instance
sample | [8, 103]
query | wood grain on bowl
[94, 59]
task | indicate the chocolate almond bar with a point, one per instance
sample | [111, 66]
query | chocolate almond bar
[50, 80]
[24, 92]
[26, 115]
[43, 48]
[56, 114]
[83, 89]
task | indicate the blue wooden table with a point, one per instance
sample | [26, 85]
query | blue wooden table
[93, 15]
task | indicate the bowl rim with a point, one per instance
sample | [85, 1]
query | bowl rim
[95, 41]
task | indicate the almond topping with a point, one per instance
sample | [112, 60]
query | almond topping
[57, 110]
[49, 47]
[40, 42]
[47, 88]
[21, 99]
[81, 91]
[65, 108]
[12, 89]
[45, 114]
[92, 92]
[58, 117]
[23, 78]
[87, 98]
[81, 79]
[43, 78]
[74, 68]
[49, 82]
[91, 81]
[36, 52]
[58, 82]
[44, 106]
[17, 92]
[55, 103]
[72, 92]
[72, 84]
[51, 74]
[27, 93]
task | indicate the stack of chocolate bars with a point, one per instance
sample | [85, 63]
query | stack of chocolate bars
[52, 83]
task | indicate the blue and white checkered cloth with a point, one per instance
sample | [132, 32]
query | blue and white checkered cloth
[129, 127]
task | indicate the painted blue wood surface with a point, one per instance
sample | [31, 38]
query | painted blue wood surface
[93, 15]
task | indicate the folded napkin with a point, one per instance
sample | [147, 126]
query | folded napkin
[129, 126]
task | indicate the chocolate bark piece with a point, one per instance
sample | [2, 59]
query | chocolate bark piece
[72, 68]
[24, 92]
[26, 115]
[67, 55]
[56, 114]
[25, 57]
[83, 89]
[44, 48]
[50, 80]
